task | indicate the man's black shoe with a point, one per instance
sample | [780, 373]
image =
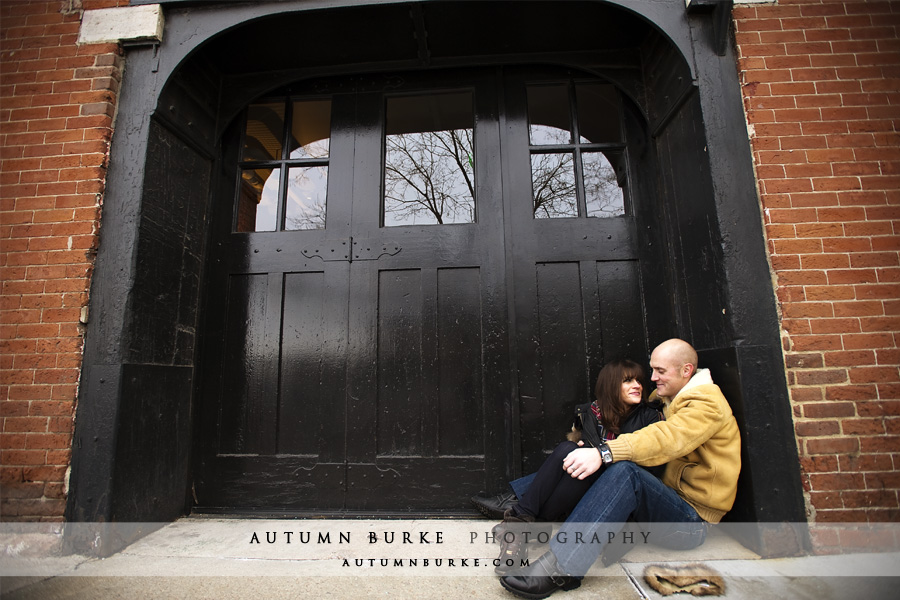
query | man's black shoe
[539, 579]
[494, 507]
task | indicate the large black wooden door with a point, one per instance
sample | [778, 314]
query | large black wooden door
[573, 252]
[428, 318]
[357, 361]
[421, 331]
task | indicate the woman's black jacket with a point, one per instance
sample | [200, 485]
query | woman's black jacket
[645, 413]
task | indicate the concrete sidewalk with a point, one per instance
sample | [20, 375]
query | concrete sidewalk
[205, 558]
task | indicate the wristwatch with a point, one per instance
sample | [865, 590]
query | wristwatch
[605, 454]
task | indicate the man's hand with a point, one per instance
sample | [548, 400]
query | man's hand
[582, 462]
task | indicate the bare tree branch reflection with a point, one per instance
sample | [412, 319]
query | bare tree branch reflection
[305, 207]
[555, 189]
[429, 177]
[553, 184]
[602, 191]
[311, 218]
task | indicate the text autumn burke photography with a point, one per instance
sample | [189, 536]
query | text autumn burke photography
[471, 545]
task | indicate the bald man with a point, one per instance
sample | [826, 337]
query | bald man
[698, 442]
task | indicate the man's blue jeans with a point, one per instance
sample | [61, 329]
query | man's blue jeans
[623, 490]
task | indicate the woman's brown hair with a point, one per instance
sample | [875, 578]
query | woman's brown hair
[608, 391]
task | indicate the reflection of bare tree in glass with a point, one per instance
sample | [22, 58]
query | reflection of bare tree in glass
[602, 192]
[553, 183]
[428, 177]
[554, 187]
[313, 218]
[305, 208]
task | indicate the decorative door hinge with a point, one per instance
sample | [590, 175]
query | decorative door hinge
[351, 250]
[372, 249]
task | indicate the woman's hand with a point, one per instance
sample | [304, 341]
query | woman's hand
[582, 462]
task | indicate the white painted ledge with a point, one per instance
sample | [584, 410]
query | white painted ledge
[122, 24]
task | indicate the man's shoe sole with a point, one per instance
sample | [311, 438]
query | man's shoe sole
[574, 584]
[490, 513]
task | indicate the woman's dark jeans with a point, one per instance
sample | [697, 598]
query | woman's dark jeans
[551, 493]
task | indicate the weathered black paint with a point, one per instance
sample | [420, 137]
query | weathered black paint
[131, 449]
[692, 104]
[751, 314]
[720, 16]
[766, 492]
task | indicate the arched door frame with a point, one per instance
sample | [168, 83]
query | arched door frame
[108, 440]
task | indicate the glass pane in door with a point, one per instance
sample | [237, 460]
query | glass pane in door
[549, 120]
[306, 189]
[553, 185]
[258, 200]
[599, 115]
[264, 132]
[602, 191]
[310, 129]
[429, 160]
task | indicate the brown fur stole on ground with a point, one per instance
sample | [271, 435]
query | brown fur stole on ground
[693, 578]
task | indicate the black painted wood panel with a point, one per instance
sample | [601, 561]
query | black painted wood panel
[623, 331]
[460, 374]
[562, 345]
[244, 422]
[401, 408]
[170, 251]
[304, 393]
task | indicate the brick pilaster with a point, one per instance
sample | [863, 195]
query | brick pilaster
[821, 83]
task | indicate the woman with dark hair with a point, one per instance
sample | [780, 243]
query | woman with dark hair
[620, 406]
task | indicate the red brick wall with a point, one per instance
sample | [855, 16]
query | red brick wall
[821, 84]
[57, 102]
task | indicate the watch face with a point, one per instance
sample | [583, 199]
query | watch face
[605, 455]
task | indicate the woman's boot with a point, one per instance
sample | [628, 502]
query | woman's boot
[513, 546]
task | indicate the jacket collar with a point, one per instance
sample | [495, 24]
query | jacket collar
[701, 377]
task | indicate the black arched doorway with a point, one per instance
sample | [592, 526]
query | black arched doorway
[694, 247]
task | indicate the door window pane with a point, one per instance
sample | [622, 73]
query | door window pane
[311, 129]
[602, 192]
[265, 130]
[583, 174]
[306, 198]
[553, 185]
[548, 115]
[429, 165]
[265, 202]
[258, 201]
[598, 113]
